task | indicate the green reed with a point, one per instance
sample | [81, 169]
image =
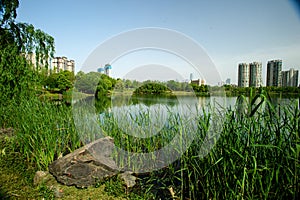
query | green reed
[256, 156]
[43, 130]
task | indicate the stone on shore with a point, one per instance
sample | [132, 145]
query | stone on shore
[86, 165]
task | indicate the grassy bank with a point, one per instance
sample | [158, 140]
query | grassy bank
[256, 156]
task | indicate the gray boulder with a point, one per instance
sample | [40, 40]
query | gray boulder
[86, 165]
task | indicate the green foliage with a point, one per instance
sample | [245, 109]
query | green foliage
[200, 88]
[87, 83]
[104, 86]
[179, 86]
[153, 88]
[16, 75]
[18, 79]
[62, 80]
[272, 90]
[24, 36]
[43, 130]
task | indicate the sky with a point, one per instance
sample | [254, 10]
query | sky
[229, 32]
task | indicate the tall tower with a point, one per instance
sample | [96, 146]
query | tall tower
[255, 77]
[191, 77]
[107, 69]
[243, 75]
[274, 73]
[294, 77]
[290, 78]
[285, 75]
[100, 70]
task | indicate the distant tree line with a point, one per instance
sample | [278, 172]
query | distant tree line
[272, 90]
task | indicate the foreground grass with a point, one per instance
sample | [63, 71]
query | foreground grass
[256, 156]
[16, 180]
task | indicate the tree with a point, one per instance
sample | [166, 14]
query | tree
[105, 85]
[16, 40]
[24, 36]
[63, 80]
[153, 88]
[87, 83]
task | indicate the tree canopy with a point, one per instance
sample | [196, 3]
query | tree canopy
[23, 36]
[16, 40]
[153, 88]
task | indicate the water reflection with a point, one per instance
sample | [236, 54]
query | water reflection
[103, 103]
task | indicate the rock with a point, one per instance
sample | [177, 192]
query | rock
[44, 177]
[41, 177]
[128, 178]
[86, 165]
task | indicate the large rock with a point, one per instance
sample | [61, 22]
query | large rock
[87, 165]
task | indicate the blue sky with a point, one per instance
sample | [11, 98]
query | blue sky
[230, 31]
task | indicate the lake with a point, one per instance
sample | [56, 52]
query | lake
[144, 116]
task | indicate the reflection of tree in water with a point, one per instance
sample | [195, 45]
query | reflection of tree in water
[152, 100]
[102, 103]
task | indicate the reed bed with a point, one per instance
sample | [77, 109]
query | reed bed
[255, 157]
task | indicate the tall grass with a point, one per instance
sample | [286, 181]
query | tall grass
[256, 156]
[44, 130]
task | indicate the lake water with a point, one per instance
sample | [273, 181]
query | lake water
[105, 104]
[143, 116]
[145, 113]
[174, 119]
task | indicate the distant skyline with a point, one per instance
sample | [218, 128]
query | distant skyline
[231, 32]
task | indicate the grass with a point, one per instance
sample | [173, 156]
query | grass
[256, 156]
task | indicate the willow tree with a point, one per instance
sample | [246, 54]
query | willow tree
[16, 40]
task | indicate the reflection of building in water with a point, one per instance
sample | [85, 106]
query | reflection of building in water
[105, 70]
[198, 82]
[201, 103]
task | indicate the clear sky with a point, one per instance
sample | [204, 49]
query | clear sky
[230, 31]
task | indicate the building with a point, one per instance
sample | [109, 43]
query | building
[107, 69]
[191, 76]
[62, 64]
[37, 63]
[294, 75]
[198, 82]
[228, 81]
[255, 74]
[70, 66]
[243, 75]
[274, 73]
[100, 70]
[290, 78]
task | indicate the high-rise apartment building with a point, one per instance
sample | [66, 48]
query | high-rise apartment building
[228, 81]
[274, 73]
[62, 64]
[290, 78]
[255, 76]
[243, 75]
